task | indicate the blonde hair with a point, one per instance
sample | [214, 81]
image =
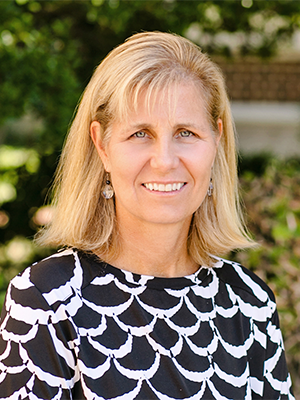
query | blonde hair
[148, 61]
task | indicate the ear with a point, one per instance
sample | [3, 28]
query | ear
[95, 131]
[220, 128]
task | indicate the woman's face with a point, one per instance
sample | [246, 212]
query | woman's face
[160, 158]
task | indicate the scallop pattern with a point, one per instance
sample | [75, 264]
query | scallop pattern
[75, 328]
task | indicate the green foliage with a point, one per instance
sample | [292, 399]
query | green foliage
[272, 201]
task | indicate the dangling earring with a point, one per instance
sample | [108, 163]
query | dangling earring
[107, 190]
[210, 188]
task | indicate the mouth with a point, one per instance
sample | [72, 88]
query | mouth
[161, 187]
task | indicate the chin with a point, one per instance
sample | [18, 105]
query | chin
[164, 219]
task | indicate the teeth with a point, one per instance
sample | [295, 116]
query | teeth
[160, 187]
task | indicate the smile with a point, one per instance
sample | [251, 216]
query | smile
[161, 187]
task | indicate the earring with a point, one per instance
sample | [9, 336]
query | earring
[107, 190]
[210, 188]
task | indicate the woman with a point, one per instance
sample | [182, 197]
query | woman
[139, 306]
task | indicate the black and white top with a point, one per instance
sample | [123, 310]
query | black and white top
[75, 328]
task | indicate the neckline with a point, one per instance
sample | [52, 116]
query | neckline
[160, 283]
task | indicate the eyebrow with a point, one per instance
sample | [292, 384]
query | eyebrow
[189, 125]
[141, 126]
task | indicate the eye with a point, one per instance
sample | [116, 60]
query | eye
[140, 134]
[185, 134]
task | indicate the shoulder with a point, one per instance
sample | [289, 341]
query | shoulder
[54, 271]
[59, 276]
[242, 280]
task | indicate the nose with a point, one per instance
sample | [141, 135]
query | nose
[164, 157]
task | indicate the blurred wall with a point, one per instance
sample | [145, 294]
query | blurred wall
[265, 98]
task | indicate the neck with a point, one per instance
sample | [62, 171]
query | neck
[154, 249]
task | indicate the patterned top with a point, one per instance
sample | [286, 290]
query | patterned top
[76, 328]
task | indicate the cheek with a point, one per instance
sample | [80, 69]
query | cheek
[124, 171]
[201, 160]
[125, 160]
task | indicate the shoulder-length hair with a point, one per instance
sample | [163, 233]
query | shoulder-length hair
[148, 61]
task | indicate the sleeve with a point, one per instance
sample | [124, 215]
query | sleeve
[277, 381]
[37, 360]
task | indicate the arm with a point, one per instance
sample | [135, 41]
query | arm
[277, 378]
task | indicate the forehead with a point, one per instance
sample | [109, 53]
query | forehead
[169, 98]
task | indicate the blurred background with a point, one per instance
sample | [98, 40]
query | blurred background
[48, 51]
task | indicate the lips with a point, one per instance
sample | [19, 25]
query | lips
[161, 187]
